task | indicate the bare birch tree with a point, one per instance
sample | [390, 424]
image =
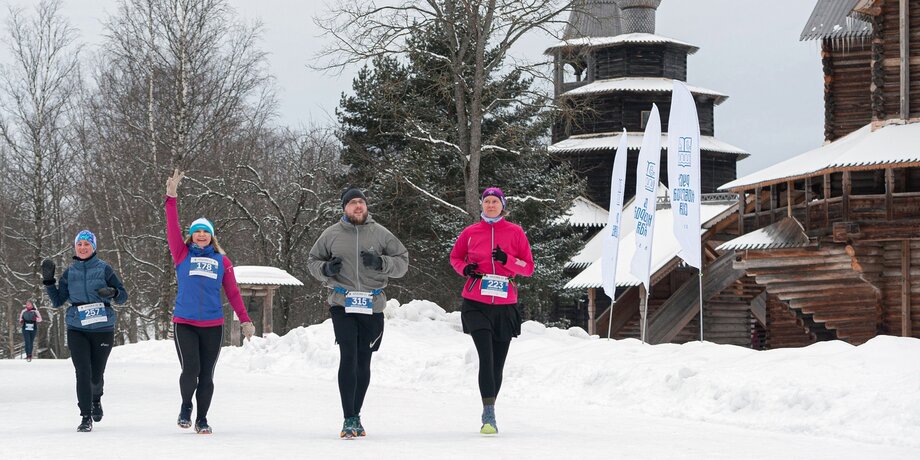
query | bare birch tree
[38, 92]
[181, 82]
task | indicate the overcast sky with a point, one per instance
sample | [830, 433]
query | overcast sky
[749, 50]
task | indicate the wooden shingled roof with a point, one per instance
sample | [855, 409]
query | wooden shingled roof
[787, 233]
[593, 18]
[834, 19]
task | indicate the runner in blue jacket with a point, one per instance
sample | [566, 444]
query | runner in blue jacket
[90, 286]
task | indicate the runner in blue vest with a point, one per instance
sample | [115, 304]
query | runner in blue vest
[29, 318]
[198, 319]
[90, 286]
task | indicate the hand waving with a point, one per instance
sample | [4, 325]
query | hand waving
[172, 183]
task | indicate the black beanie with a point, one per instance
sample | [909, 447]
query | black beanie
[350, 194]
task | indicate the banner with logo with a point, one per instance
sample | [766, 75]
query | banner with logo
[614, 218]
[684, 173]
[645, 202]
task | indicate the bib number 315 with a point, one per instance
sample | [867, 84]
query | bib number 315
[359, 302]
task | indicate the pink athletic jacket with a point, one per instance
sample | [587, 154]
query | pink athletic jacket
[475, 245]
[180, 251]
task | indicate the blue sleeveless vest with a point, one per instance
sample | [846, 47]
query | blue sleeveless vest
[200, 277]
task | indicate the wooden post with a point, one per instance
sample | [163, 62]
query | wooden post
[643, 312]
[847, 185]
[905, 60]
[758, 191]
[235, 331]
[592, 309]
[741, 212]
[789, 185]
[267, 310]
[807, 203]
[906, 327]
[889, 193]
[827, 195]
[772, 203]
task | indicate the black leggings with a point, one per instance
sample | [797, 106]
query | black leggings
[198, 349]
[28, 338]
[358, 337]
[89, 351]
[492, 356]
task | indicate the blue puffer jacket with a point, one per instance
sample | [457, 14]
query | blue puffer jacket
[78, 285]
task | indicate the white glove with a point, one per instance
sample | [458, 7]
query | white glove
[248, 329]
[172, 183]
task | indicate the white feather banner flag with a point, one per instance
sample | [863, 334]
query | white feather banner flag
[614, 218]
[647, 172]
[684, 173]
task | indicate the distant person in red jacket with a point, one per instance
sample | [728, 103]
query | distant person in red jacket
[491, 253]
[29, 318]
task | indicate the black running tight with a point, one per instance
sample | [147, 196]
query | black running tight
[358, 337]
[198, 349]
[89, 352]
[492, 356]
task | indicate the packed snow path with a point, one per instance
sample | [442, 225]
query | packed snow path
[565, 395]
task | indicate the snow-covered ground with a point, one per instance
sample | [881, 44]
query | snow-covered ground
[565, 395]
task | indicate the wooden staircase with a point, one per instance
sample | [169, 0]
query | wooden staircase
[682, 306]
[829, 287]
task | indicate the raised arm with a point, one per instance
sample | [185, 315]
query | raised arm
[177, 247]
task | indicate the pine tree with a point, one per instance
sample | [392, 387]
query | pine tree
[400, 139]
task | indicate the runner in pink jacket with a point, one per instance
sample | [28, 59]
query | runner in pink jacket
[491, 254]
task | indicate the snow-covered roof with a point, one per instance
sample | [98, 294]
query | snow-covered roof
[787, 233]
[254, 274]
[888, 145]
[584, 213]
[640, 84]
[609, 141]
[664, 248]
[638, 37]
[834, 19]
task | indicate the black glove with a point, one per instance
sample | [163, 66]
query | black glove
[372, 260]
[499, 255]
[48, 269]
[471, 271]
[333, 266]
[107, 292]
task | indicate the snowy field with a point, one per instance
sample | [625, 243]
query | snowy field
[565, 396]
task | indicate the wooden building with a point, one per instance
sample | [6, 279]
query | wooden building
[610, 76]
[839, 226]
[825, 245]
[609, 70]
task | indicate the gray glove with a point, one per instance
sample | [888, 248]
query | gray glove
[333, 266]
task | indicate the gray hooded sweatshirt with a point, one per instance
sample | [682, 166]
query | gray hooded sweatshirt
[347, 241]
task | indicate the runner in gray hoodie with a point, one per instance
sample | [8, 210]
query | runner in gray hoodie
[354, 258]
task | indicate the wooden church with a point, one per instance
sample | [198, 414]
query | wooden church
[823, 246]
[609, 70]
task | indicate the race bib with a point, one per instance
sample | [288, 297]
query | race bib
[359, 302]
[494, 285]
[30, 327]
[204, 266]
[92, 313]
